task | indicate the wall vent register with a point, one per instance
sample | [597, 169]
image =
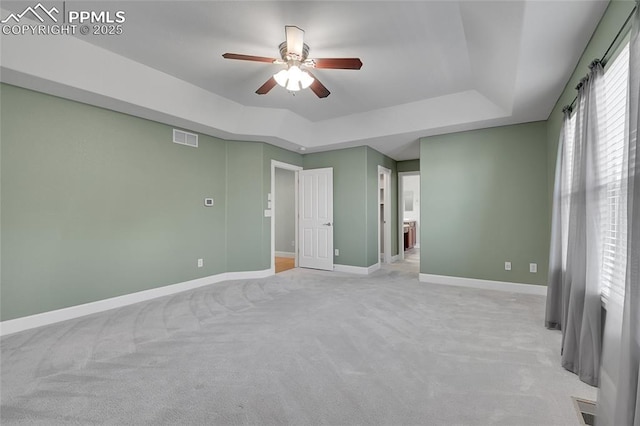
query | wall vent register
[185, 138]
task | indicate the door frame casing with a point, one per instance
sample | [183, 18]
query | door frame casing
[286, 166]
[387, 211]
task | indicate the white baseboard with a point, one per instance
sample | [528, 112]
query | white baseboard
[360, 270]
[285, 254]
[373, 268]
[395, 258]
[51, 317]
[484, 284]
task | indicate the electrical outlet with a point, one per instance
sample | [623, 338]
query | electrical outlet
[200, 263]
[337, 252]
[507, 266]
[533, 268]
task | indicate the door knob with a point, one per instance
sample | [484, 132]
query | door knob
[327, 224]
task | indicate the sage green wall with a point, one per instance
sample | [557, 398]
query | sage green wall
[349, 201]
[245, 211]
[611, 22]
[408, 166]
[97, 204]
[375, 159]
[484, 202]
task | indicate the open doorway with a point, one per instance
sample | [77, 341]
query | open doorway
[409, 211]
[284, 211]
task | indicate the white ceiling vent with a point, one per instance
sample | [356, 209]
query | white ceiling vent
[185, 138]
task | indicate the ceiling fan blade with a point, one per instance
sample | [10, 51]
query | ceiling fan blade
[338, 63]
[266, 87]
[248, 58]
[295, 39]
[318, 88]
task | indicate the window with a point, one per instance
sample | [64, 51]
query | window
[614, 227]
[610, 180]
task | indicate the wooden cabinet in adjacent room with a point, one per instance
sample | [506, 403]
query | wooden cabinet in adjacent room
[409, 234]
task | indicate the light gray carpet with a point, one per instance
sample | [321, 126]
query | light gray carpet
[302, 347]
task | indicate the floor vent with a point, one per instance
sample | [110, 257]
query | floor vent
[185, 138]
[586, 410]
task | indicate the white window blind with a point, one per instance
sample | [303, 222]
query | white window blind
[611, 153]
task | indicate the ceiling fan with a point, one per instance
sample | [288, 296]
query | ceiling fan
[296, 76]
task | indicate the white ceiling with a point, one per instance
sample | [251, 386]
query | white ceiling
[429, 67]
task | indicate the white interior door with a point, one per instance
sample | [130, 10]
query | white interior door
[316, 218]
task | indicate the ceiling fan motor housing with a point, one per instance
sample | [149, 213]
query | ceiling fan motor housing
[287, 56]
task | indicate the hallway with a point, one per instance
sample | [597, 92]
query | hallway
[410, 263]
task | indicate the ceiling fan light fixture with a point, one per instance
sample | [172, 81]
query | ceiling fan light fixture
[293, 85]
[305, 79]
[281, 77]
[293, 78]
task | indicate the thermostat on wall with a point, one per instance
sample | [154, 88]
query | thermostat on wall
[208, 202]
